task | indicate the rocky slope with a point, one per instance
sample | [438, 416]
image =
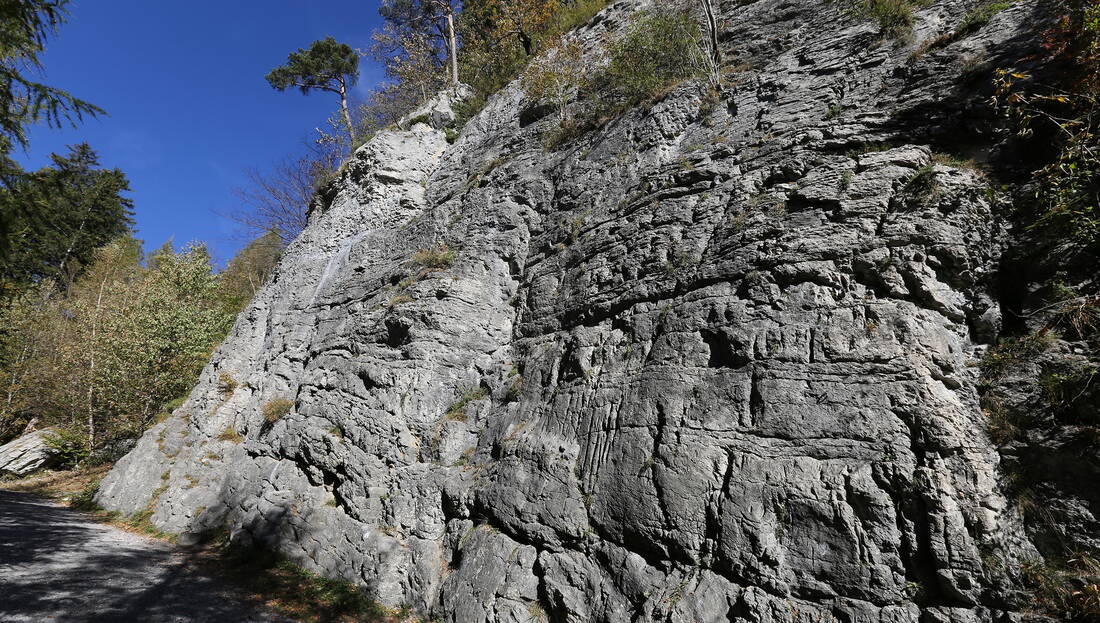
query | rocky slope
[711, 362]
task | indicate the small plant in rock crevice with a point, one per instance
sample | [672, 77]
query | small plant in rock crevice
[435, 258]
[1011, 352]
[231, 435]
[226, 384]
[276, 408]
[457, 410]
[894, 17]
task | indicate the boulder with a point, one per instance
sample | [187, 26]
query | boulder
[27, 453]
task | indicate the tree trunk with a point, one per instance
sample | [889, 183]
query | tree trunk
[91, 367]
[715, 60]
[346, 112]
[453, 44]
[525, 41]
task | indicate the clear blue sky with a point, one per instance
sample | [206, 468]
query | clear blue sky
[187, 105]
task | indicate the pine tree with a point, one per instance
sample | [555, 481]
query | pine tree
[326, 66]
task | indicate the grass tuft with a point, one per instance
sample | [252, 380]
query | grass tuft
[275, 409]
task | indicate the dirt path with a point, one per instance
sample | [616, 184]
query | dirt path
[58, 565]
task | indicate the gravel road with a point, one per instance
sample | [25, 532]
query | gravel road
[58, 565]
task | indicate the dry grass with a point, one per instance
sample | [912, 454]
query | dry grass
[61, 485]
[275, 409]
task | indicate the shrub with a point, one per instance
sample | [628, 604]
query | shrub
[554, 79]
[657, 52]
[1068, 590]
[514, 389]
[69, 446]
[275, 409]
[1062, 113]
[436, 258]
[923, 184]
[175, 403]
[894, 17]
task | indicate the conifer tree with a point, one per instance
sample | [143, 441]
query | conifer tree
[59, 215]
[326, 66]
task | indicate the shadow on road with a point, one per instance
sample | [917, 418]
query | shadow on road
[60, 565]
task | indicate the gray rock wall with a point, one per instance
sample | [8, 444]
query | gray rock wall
[715, 359]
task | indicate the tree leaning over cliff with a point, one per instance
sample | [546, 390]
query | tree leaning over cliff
[327, 65]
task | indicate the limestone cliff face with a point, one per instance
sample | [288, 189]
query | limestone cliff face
[717, 360]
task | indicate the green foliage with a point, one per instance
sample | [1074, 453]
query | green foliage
[226, 384]
[55, 219]
[1062, 385]
[69, 446]
[1002, 424]
[979, 16]
[457, 410]
[1064, 113]
[894, 17]
[326, 66]
[248, 270]
[1012, 352]
[231, 435]
[554, 79]
[515, 388]
[85, 499]
[500, 37]
[923, 184]
[27, 24]
[125, 339]
[659, 50]
[275, 409]
[435, 258]
[1068, 590]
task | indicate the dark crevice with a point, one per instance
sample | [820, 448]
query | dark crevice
[723, 353]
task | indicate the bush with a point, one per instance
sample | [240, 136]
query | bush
[69, 446]
[1011, 352]
[554, 79]
[894, 17]
[1066, 590]
[660, 50]
[275, 409]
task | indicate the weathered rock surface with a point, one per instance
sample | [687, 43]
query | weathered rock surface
[27, 453]
[715, 361]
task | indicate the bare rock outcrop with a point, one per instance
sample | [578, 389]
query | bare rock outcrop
[27, 453]
[714, 361]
